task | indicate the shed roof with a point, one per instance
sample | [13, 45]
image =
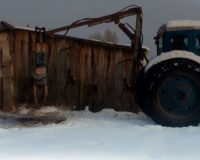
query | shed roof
[176, 25]
[7, 26]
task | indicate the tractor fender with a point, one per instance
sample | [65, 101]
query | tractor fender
[172, 55]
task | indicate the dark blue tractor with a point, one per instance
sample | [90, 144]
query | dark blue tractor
[169, 86]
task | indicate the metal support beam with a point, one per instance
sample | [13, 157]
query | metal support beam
[126, 31]
[137, 47]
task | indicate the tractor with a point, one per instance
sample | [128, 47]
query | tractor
[170, 83]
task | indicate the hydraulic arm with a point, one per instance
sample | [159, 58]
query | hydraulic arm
[133, 33]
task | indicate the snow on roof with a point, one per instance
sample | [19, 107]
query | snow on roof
[7, 26]
[179, 25]
[25, 28]
[146, 48]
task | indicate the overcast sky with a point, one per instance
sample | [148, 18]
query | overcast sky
[57, 13]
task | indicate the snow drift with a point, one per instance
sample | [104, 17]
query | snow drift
[107, 135]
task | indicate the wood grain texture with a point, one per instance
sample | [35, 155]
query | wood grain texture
[80, 72]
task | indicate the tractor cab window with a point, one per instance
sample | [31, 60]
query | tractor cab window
[159, 44]
[197, 44]
[179, 42]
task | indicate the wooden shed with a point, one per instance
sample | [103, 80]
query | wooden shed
[80, 72]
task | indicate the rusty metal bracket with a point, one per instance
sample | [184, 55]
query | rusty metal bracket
[40, 34]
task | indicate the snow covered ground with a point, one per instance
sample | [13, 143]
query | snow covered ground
[106, 135]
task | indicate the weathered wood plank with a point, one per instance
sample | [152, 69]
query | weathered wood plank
[7, 83]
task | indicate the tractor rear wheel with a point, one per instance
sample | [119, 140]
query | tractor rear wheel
[171, 91]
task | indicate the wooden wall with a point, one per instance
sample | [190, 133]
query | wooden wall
[80, 72]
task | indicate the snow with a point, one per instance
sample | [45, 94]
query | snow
[179, 25]
[44, 110]
[49, 109]
[146, 48]
[171, 55]
[24, 28]
[107, 135]
[94, 39]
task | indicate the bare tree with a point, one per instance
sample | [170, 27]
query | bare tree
[96, 36]
[108, 36]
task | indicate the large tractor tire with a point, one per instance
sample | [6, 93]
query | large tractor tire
[169, 92]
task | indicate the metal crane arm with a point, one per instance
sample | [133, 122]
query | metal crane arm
[135, 36]
[95, 21]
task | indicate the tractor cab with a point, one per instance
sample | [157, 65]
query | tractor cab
[179, 35]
